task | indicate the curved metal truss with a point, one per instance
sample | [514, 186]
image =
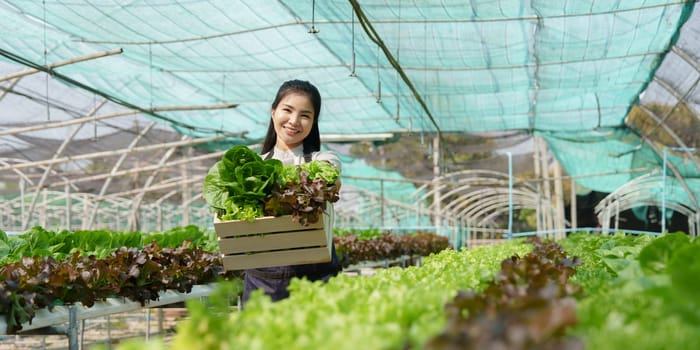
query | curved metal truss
[65, 210]
[470, 202]
[364, 208]
[124, 178]
[648, 190]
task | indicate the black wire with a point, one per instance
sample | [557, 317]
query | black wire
[372, 34]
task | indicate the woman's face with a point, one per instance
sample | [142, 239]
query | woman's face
[293, 119]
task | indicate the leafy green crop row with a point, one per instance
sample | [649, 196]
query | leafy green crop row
[396, 308]
[638, 292]
[137, 274]
[641, 293]
[359, 234]
[353, 250]
[100, 243]
[529, 305]
[44, 268]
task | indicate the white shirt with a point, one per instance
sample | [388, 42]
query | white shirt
[296, 156]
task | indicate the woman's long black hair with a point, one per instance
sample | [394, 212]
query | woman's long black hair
[312, 143]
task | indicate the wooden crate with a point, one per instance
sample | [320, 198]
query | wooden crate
[273, 241]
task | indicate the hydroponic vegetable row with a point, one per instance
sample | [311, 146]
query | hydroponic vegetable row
[618, 292]
[43, 269]
[599, 291]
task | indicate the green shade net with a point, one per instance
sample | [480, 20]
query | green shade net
[567, 70]
[606, 160]
[364, 184]
[390, 184]
[480, 66]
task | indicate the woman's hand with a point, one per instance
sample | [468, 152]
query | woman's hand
[337, 183]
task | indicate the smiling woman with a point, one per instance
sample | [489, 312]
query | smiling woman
[293, 137]
[293, 119]
[295, 114]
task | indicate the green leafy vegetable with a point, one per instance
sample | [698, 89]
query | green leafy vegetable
[305, 196]
[137, 274]
[321, 170]
[655, 256]
[243, 186]
[236, 186]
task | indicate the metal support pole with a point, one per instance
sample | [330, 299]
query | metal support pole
[663, 195]
[82, 334]
[510, 195]
[159, 218]
[617, 214]
[186, 189]
[83, 221]
[73, 328]
[691, 226]
[109, 332]
[160, 320]
[436, 174]
[544, 159]
[30, 71]
[536, 166]
[574, 210]
[43, 219]
[68, 207]
[663, 177]
[381, 202]
[148, 324]
[560, 225]
[21, 201]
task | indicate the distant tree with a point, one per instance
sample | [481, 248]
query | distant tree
[412, 156]
[683, 120]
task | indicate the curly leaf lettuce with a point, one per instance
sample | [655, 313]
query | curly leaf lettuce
[321, 169]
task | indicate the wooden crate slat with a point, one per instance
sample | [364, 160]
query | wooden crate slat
[280, 258]
[266, 224]
[273, 241]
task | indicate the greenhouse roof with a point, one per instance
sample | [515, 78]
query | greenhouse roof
[384, 66]
[569, 71]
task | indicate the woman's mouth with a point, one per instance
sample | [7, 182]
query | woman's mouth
[291, 131]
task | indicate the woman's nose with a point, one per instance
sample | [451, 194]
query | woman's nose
[294, 118]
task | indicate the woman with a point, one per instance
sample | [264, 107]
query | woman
[293, 138]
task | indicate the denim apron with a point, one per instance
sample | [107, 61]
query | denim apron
[275, 280]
